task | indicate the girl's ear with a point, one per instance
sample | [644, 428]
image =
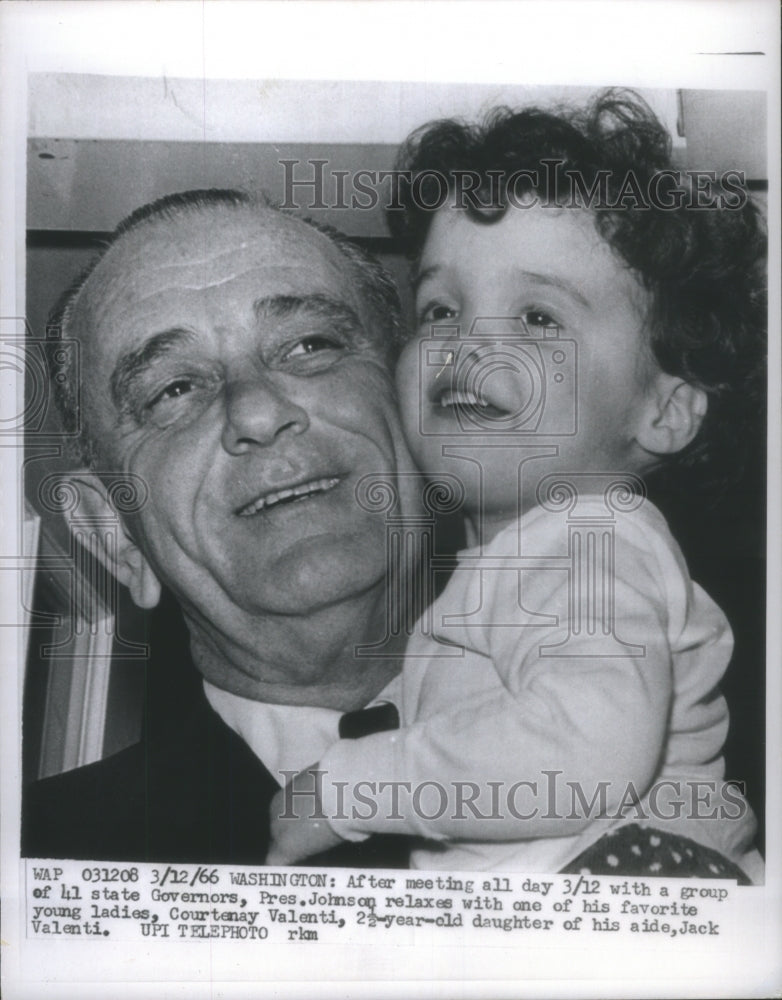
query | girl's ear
[672, 416]
[97, 525]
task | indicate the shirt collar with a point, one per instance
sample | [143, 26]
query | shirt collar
[284, 737]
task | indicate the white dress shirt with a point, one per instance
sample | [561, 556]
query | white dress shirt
[284, 737]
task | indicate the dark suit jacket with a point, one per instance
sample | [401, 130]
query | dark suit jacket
[191, 791]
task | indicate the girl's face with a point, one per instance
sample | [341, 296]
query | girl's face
[530, 357]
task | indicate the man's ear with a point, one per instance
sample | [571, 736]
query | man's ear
[123, 557]
[673, 415]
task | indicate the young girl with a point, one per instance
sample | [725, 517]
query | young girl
[562, 714]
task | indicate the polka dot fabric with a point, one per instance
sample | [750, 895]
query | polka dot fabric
[646, 852]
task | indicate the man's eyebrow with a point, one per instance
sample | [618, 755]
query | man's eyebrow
[132, 365]
[315, 306]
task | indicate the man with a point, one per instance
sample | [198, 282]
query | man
[236, 360]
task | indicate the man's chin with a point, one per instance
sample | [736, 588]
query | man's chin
[315, 573]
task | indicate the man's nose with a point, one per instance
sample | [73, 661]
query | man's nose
[257, 412]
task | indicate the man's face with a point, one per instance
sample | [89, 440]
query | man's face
[538, 276]
[239, 376]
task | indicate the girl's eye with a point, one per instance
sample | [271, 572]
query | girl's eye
[436, 312]
[538, 319]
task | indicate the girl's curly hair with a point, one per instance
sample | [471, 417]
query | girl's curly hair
[703, 267]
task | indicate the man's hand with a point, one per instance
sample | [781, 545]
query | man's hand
[298, 827]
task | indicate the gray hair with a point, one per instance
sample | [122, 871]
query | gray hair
[373, 283]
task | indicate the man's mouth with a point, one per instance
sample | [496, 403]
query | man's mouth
[291, 494]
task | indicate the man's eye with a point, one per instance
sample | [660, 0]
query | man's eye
[181, 398]
[313, 345]
[538, 319]
[437, 312]
[174, 390]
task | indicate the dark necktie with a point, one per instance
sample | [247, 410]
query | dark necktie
[364, 721]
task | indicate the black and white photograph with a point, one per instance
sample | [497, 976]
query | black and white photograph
[391, 453]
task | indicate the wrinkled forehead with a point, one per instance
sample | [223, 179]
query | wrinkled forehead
[201, 250]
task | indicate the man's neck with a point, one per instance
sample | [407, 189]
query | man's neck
[310, 659]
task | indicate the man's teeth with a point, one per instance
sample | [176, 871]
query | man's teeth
[460, 397]
[293, 493]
